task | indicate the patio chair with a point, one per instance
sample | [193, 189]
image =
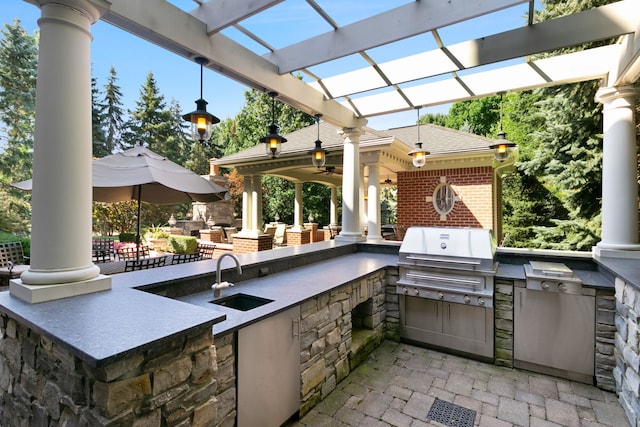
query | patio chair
[206, 250]
[12, 261]
[102, 249]
[184, 258]
[144, 263]
[280, 235]
[130, 252]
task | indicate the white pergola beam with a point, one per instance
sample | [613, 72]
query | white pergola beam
[179, 32]
[402, 22]
[601, 23]
[220, 14]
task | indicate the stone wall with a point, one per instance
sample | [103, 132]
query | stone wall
[627, 350]
[503, 306]
[42, 384]
[226, 378]
[325, 335]
[605, 338]
[392, 320]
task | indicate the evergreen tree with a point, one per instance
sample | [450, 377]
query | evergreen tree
[568, 160]
[98, 137]
[18, 68]
[150, 123]
[113, 113]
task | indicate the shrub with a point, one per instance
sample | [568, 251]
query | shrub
[182, 244]
[127, 237]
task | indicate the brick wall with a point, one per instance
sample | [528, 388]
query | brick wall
[473, 185]
[246, 245]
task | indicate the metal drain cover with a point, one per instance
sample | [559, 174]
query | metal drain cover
[451, 415]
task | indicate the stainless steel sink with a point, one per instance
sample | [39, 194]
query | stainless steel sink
[242, 302]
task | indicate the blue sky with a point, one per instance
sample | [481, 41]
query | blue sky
[178, 79]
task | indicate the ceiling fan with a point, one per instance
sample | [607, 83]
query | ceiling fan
[330, 170]
[387, 181]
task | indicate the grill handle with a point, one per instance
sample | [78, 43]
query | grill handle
[448, 260]
[444, 279]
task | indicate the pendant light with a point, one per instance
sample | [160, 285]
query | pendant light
[318, 154]
[200, 119]
[502, 146]
[272, 140]
[419, 154]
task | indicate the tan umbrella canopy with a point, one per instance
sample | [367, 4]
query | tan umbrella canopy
[142, 175]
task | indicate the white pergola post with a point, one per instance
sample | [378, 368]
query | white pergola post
[61, 263]
[256, 204]
[373, 206]
[619, 169]
[351, 225]
[247, 203]
[333, 207]
[297, 209]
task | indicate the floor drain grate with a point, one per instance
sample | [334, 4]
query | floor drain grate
[451, 415]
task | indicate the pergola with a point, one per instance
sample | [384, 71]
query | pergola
[370, 85]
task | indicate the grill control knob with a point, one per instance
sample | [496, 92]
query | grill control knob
[406, 291]
[544, 285]
[480, 301]
[466, 299]
[562, 287]
[440, 295]
[417, 291]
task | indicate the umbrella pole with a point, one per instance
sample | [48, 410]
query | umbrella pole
[138, 226]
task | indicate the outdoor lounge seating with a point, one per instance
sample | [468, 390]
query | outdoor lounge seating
[12, 261]
[145, 263]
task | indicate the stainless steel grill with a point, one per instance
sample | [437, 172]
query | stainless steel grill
[450, 264]
[446, 287]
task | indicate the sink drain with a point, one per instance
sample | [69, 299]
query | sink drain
[451, 415]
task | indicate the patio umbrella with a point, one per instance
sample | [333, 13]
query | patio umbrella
[142, 175]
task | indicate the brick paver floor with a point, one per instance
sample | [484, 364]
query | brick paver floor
[398, 383]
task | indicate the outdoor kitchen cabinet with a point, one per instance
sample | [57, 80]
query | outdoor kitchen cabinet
[447, 325]
[269, 370]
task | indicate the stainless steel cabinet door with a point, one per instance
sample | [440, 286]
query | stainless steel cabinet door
[554, 330]
[269, 370]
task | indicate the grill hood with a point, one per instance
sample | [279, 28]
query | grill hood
[448, 247]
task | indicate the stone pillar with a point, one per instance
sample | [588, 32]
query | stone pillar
[333, 207]
[373, 210]
[256, 204]
[247, 203]
[297, 210]
[62, 193]
[351, 227]
[619, 170]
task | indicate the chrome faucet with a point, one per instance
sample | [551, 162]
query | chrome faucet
[219, 285]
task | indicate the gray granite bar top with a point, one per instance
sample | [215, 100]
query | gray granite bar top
[626, 268]
[107, 326]
[292, 287]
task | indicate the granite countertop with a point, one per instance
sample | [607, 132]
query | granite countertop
[108, 326]
[291, 288]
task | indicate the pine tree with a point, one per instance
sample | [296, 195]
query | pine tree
[98, 137]
[114, 113]
[18, 67]
[150, 121]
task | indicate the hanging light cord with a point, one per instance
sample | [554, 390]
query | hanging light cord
[418, 122]
[500, 112]
[201, 78]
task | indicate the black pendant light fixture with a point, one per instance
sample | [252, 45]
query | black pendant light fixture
[419, 154]
[502, 146]
[201, 121]
[318, 154]
[273, 140]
